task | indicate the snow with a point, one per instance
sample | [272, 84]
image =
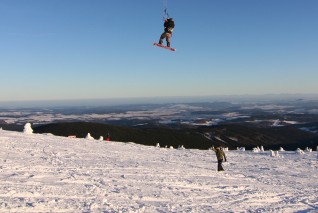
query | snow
[291, 122]
[309, 129]
[162, 113]
[266, 107]
[276, 123]
[89, 137]
[46, 173]
[28, 129]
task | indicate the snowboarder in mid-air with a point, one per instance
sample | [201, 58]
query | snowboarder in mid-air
[169, 26]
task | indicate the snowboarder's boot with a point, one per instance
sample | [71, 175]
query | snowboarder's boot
[168, 44]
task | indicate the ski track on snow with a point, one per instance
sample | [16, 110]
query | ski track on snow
[43, 173]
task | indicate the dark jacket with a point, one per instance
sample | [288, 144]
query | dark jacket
[169, 25]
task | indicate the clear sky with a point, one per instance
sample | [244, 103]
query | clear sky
[79, 49]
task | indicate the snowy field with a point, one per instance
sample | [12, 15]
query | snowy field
[43, 173]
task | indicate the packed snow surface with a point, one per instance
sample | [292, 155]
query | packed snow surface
[46, 173]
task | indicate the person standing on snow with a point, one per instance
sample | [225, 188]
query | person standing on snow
[220, 155]
[169, 26]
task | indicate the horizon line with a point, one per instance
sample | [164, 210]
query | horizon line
[152, 100]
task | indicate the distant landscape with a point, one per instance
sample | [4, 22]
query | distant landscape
[290, 122]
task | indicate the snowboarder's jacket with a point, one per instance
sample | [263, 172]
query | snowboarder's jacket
[169, 25]
[219, 153]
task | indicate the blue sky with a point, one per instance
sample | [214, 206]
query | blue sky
[88, 49]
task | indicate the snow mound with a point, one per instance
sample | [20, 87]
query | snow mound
[89, 137]
[299, 151]
[28, 129]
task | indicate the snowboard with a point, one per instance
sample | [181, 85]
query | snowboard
[165, 47]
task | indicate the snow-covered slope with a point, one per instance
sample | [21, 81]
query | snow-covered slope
[43, 173]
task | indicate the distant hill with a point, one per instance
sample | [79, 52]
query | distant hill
[238, 135]
[189, 138]
[11, 127]
[230, 135]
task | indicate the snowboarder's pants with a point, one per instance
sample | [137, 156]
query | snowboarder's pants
[166, 35]
[220, 168]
